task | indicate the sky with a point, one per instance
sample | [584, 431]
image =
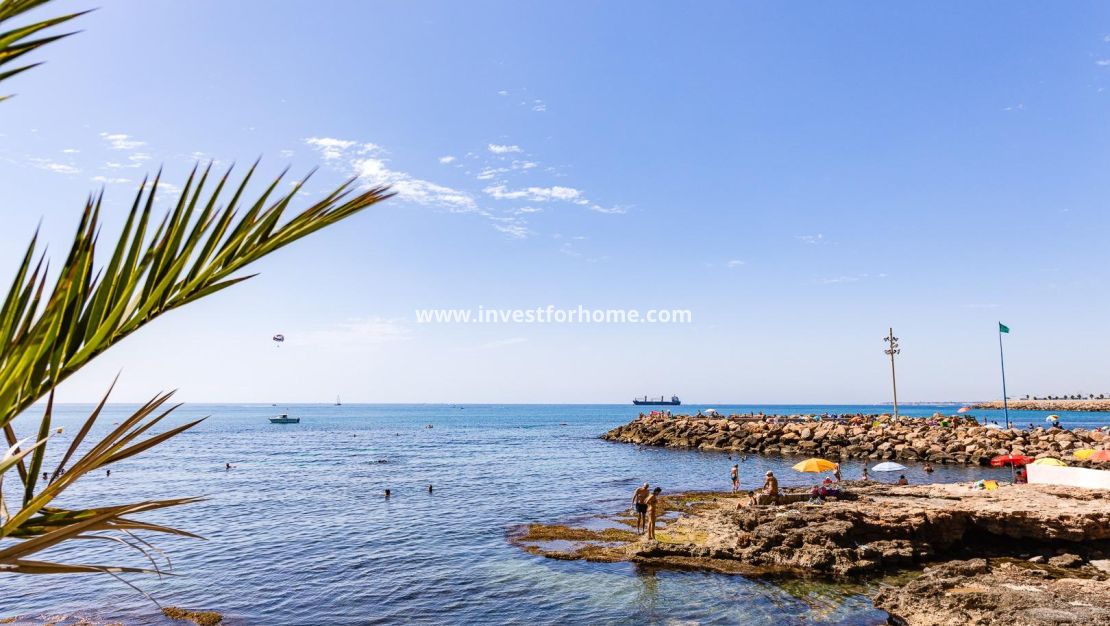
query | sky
[799, 177]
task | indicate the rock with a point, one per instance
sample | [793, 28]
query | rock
[1066, 560]
[1037, 559]
[1102, 565]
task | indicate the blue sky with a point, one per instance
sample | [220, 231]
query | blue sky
[799, 176]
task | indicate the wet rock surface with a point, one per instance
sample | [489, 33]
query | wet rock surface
[1042, 541]
[962, 441]
[980, 592]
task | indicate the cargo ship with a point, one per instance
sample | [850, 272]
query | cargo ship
[660, 401]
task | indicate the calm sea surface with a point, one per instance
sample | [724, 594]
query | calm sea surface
[298, 531]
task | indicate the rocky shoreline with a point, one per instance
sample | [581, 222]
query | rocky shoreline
[1091, 405]
[938, 440]
[1024, 555]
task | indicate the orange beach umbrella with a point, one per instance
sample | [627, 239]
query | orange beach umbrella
[815, 465]
[1099, 455]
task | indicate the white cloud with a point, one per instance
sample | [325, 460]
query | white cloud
[119, 141]
[535, 194]
[374, 171]
[734, 263]
[353, 334]
[70, 151]
[502, 93]
[503, 149]
[490, 173]
[516, 231]
[524, 165]
[811, 239]
[54, 166]
[329, 147]
[109, 181]
[447, 159]
[539, 106]
[286, 153]
[1102, 62]
[529, 209]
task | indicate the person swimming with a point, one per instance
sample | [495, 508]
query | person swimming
[639, 503]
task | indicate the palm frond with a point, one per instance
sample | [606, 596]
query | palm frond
[195, 251]
[18, 41]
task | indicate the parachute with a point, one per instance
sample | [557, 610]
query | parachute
[278, 339]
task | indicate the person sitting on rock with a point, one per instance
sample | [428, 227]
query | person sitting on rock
[771, 487]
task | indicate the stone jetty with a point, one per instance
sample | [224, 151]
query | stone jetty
[961, 441]
[1091, 405]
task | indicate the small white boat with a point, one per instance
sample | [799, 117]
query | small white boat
[285, 419]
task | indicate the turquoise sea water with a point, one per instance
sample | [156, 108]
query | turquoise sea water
[298, 531]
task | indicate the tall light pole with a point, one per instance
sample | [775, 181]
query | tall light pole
[892, 349]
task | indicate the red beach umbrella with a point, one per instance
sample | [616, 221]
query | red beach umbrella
[1099, 455]
[1015, 460]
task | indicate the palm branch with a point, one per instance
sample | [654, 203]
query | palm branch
[17, 42]
[49, 330]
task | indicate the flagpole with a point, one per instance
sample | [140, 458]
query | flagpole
[1002, 359]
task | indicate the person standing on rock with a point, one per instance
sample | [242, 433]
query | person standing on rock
[639, 502]
[654, 510]
[735, 475]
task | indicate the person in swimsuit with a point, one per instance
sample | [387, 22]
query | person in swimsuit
[836, 472]
[639, 503]
[771, 487]
[928, 469]
[654, 510]
[735, 475]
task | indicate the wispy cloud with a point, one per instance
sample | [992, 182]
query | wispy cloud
[850, 278]
[811, 239]
[54, 166]
[502, 343]
[1102, 62]
[516, 231]
[120, 141]
[109, 180]
[330, 148]
[503, 149]
[447, 159]
[734, 263]
[539, 106]
[535, 194]
[353, 334]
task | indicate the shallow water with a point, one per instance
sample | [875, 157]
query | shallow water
[298, 531]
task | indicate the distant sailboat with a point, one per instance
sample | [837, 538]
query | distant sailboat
[337, 402]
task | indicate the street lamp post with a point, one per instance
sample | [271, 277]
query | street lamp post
[892, 349]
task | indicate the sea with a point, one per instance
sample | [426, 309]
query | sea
[298, 531]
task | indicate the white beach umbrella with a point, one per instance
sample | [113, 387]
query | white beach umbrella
[888, 466]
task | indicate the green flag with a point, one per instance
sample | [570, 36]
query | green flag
[1002, 328]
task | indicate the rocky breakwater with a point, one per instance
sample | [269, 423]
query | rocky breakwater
[905, 440]
[1090, 405]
